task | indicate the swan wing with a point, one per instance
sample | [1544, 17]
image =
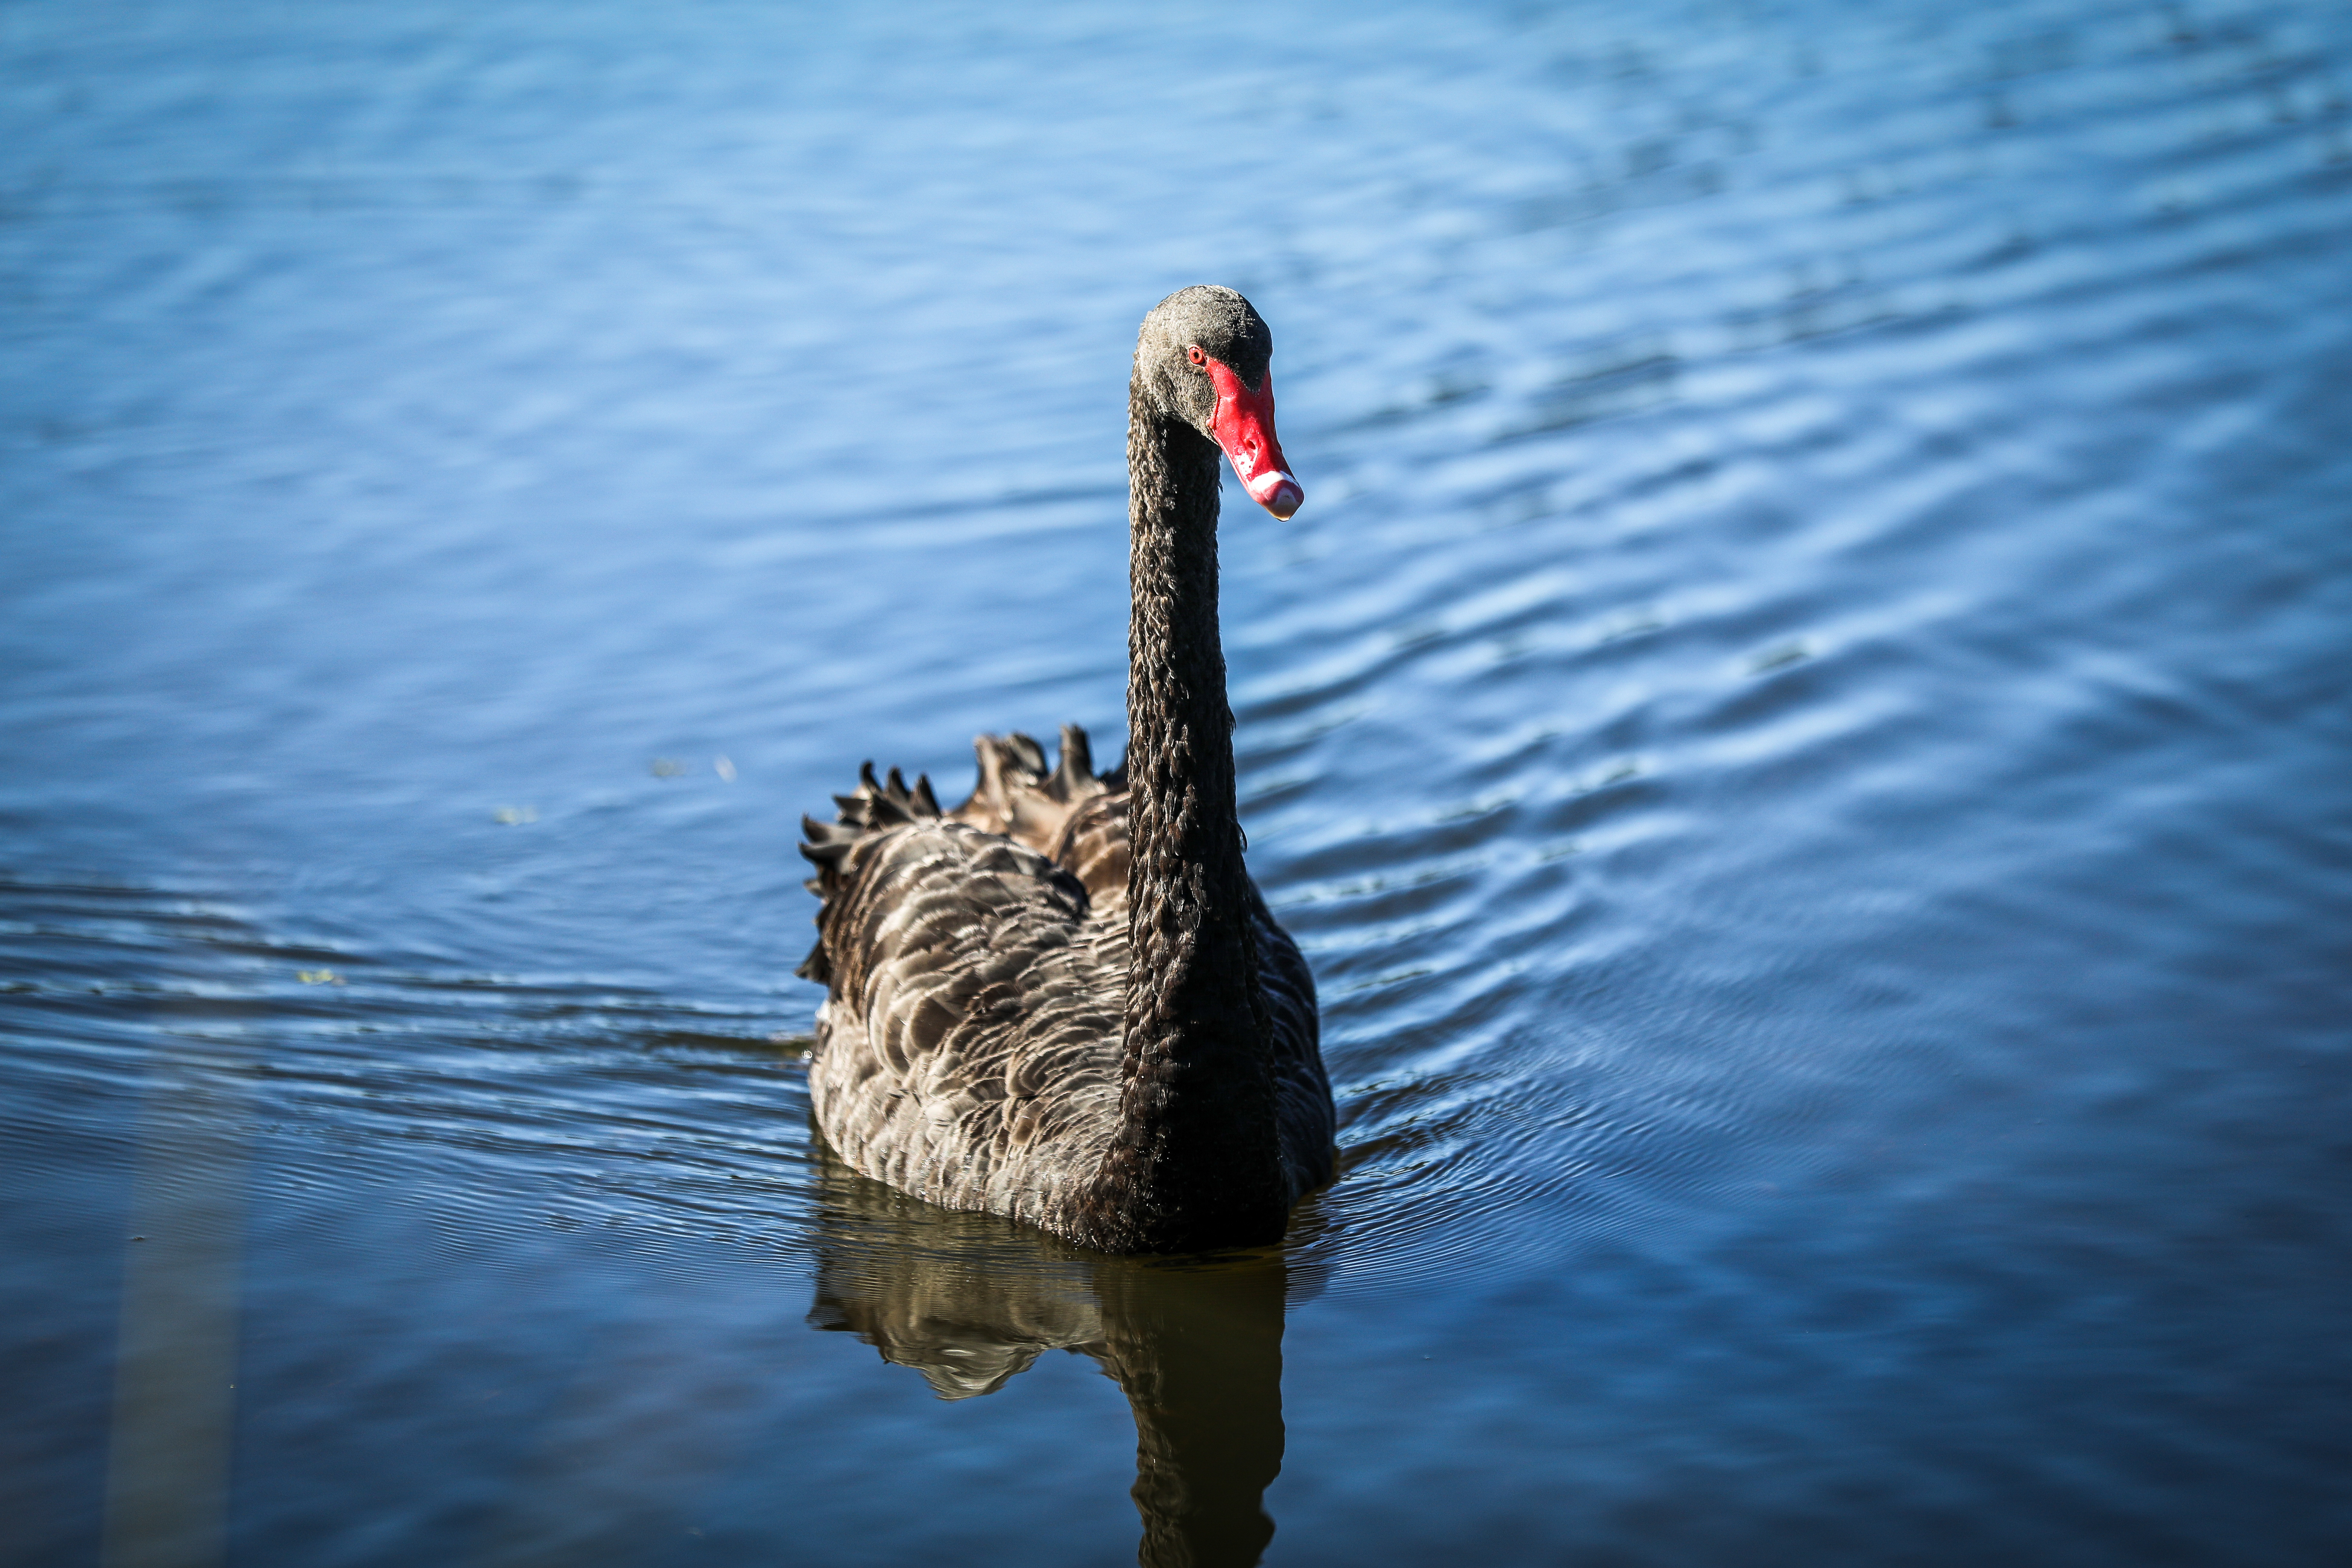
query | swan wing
[1017, 797]
[1093, 847]
[969, 1049]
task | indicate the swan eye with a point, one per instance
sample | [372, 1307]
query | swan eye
[1195, 356]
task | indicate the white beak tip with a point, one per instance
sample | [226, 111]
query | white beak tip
[1278, 493]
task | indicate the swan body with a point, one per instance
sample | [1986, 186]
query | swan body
[1064, 1000]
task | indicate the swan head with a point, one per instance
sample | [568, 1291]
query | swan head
[1204, 355]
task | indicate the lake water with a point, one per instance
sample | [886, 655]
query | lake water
[1804, 729]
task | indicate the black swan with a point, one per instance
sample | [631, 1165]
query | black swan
[1064, 1000]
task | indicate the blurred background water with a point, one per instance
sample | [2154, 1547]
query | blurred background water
[1802, 727]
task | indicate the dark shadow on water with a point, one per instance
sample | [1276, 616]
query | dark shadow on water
[971, 1300]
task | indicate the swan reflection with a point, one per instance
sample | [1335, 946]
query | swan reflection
[970, 1300]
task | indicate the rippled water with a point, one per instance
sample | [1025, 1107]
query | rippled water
[1803, 728]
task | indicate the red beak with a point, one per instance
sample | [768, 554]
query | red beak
[1243, 426]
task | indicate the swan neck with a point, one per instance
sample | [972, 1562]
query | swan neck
[1196, 1159]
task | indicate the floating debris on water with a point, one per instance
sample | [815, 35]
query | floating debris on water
[1778, 658]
